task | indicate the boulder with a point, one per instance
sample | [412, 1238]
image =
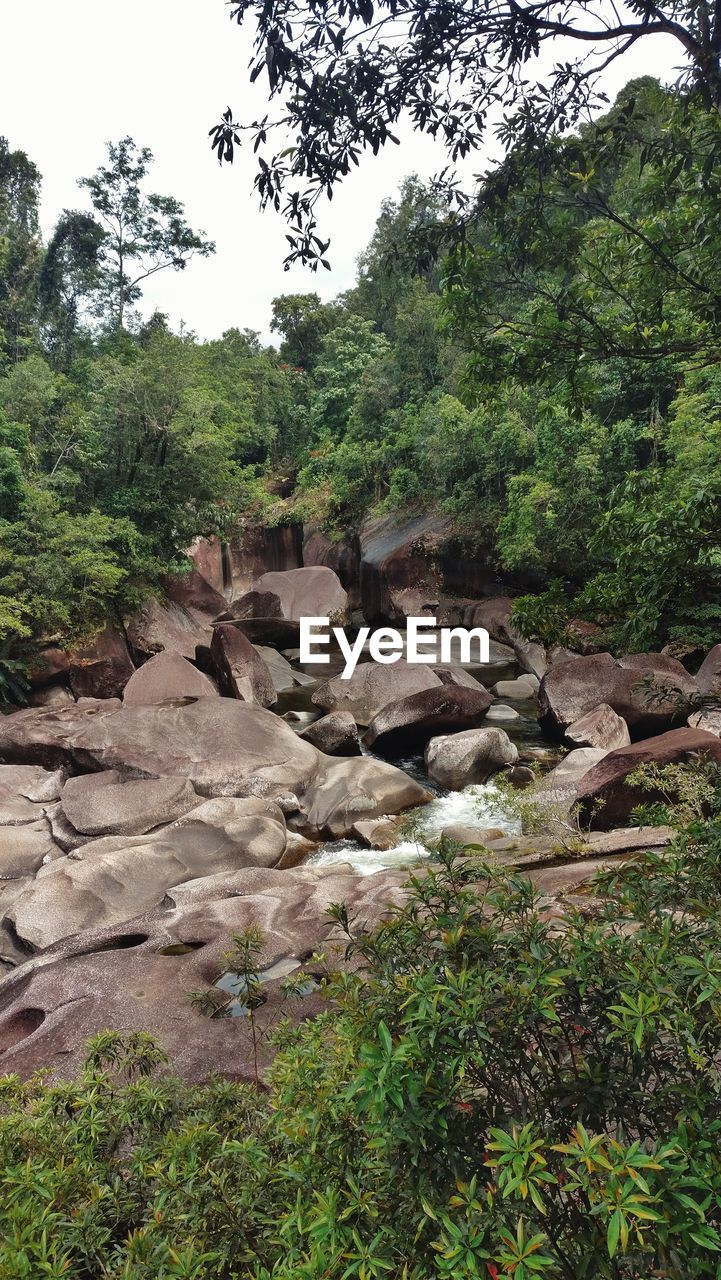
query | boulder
[194, 592]
[650, 692]
[605, 796]
[280, 633]
[253, 604]
[49, 664]
[222, 746]
[51, 695]
[314, 592]
[335, 734]
[500, 712]
[342, 557]
[372, 686]
[522, 688]
[709, 720]
[95, 807]
[102, 667]
[494, 614]
[460, 833]
[600, 727]
[111, 880]
[413, 720]
[559, 788]
[32, 782]
[708, 676]
[350, 790]
[283, 675]
[167, 627]
[164, 677]
[242, 673]
[457, 759]
[377, 833]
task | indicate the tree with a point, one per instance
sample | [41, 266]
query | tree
[68, 278]
[303, 321]
[343, 72]
[144, 233]
[19, 250]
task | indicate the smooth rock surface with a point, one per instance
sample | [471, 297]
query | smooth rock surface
[165, 676]
[242, 673]
[313, 592]
[605, 796]
[600, 727]
[335, 734]
[224, 747]
[412, 721]
[98, 808]
[457, 759]
[102, 667]
[110, 880]
[372, 686]
[650, 692]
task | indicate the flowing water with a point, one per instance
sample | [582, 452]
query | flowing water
[478, 805]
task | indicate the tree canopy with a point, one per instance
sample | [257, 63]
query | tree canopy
[341, 74]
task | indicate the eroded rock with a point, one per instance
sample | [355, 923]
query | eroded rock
[413, 720]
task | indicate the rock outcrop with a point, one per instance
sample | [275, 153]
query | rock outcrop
[102, 804]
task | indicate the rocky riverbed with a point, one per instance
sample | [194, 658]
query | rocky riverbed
[184, 777]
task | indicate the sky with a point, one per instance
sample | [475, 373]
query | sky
[78, 73]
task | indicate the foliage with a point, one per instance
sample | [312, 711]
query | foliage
[143, 233]
[490, 1096]
[340, 76]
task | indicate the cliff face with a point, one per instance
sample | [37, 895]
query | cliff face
[397, 566]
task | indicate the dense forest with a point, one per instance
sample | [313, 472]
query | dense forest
[547, 375]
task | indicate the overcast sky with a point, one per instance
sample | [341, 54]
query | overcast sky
[77, 73]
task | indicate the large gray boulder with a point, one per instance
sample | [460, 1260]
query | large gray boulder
[600, 727]
[412, 721]
[242, 673]
[111, 880]
[102, 804]
[372, 686]
[166, 676]
[650, 691]
[313, 592]
[454, 760]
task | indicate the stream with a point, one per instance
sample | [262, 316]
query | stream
[478, 805]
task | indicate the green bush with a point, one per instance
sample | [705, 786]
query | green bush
[491, 1094]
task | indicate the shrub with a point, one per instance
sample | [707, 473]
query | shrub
[492, 1094]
